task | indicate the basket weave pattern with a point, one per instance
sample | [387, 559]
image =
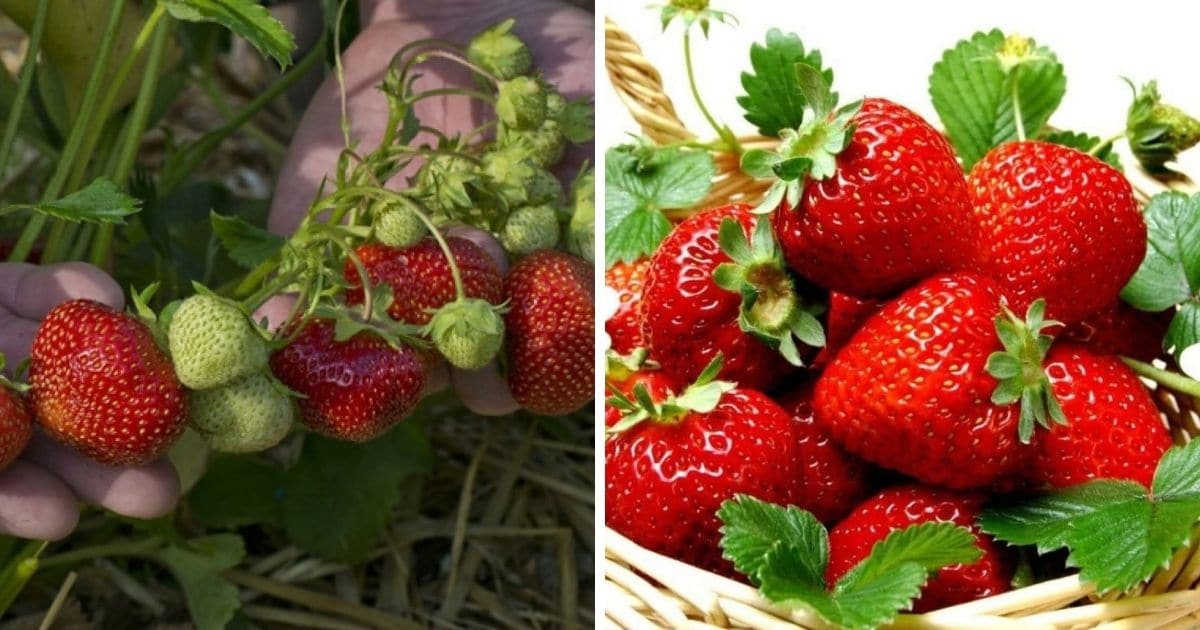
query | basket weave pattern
[643, 589]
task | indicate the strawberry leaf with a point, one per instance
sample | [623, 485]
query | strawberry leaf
[98, 202]
[1118, 533]
[785, 551]
[1170, 273]
[1086, 143]
[211, 599]
[248, 245]
[972, 91]
[244, 17]
[773, 100]
[640, 182]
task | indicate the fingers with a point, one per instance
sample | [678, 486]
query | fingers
[484, 391]
[148, 491]
[31, 291]
[276, 311]
[35, 504]
[485, 241]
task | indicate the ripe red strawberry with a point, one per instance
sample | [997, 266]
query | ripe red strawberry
[420, 276]
[845, 316]
[1121, 329]
[899, 507]
[666, 476]
[1114, 430]
[1055, 224]
[550, 333]
[101, 384]
[892, 211]
[688, 318]
[16, 425]
[353, 390]
[911, 391]
[625, 326]
[657, 384]
[833, 481]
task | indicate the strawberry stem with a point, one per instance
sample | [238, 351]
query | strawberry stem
[1016, 103]
[730, 141]
[1177, 382]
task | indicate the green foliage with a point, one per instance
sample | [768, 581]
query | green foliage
[1170, 273]
[98, 202]
[238, 491]
[211, 599]
[976, 83]
[244, 17]
[248, 245]
[773, 100]
[1086, 143]
[785, 552]
[1118, 533]
[640, 182]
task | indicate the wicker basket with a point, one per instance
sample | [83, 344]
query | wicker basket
[643, 589]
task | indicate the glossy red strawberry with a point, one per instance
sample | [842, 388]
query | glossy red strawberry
[899, 507]
[1122, 330]
[354, 389]
[845, 316]
[688, 318]
[893, 211]
[657, 384]
[1113, 429]
[624, 328]
[1057, 224]
[16, 425]
[666, 476]
[832, 481]
[911, 392]
[420, 276]
[101, 384]
[550, 332]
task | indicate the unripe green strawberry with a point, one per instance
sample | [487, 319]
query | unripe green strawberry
[214, 343]
[467, 332]
[582, 236]
[556, 103]
[248, 416]
[521, 103]
[443, 180]
[530, 228]
[518, 180]
[500, 52]
[544, 146]
[399, 227]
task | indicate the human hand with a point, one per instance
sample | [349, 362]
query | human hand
[560, 37]
[41, 491]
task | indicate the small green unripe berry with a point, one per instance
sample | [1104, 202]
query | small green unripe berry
[214, 343]
[556, 104]
[521, 103]
[581, 237]
[544, 145]
[529, 229]
[443, 181]
[399, 227]
[517, 179]
[468, 332]
[500, 52]
[244, 417]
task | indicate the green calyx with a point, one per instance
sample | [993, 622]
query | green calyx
[1158, 132]
[521, 103]
[1018, 50]
[518, 180]
[468, 332]
[529, 229]
[543, 146]
[581, 236]
[702, 396]
[399, 227]
[446, 181]
[1018, 368]
[771, 308]
[807, 152]
[692, 12]
[500, 52]
[619, 367]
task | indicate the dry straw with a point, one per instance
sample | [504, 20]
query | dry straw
[645, 590]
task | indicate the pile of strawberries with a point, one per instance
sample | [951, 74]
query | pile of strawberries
[969, 342]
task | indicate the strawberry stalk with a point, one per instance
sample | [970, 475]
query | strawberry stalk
[1177, 382]
[24, 82]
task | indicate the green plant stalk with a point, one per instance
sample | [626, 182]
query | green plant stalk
[210, 89]
[135, 126]
[192, 156]
[26, 79]
[71, 150]
[1105, 142]
[1018, 121]
[108, 550]
[17, 572]
[731, 141]
[79, 251]
[1177, 382]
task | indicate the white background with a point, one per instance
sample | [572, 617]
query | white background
[882, 48]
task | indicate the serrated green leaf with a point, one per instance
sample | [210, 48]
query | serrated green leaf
[237, 491]
[1170, 273]
[788, 576]
[98, 202]
[973, 96]
[248, 245]
[751, 528]
[639, 186]
[1042, 520]
[878, 601]
[1178, 473]
[327, 516]
[930, 546]
[246, 18]
[1184, 330]
[211, 599]
[773, 100]
[1086, 143]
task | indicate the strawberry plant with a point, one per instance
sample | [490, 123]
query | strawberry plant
[293, 378]
[975, 324]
